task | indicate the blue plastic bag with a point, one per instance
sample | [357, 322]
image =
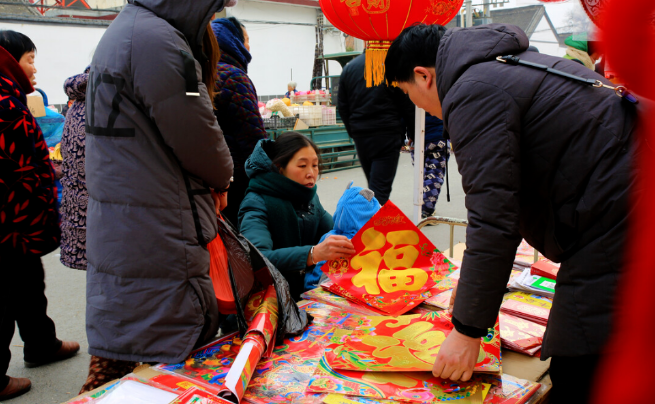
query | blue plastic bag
[52, 126]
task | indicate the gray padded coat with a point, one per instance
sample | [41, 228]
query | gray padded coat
[153, 150]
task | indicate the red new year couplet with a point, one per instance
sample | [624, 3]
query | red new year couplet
[394, 266]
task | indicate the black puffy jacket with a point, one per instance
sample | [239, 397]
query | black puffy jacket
[372, 111]
[543, 158]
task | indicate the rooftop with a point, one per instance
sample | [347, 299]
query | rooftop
[527, 18]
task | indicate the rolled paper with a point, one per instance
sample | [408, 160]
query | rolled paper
[257, 342]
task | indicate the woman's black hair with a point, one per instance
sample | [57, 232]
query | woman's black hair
[415, 46]
[240, 28]
[287, 145]
[16, 43]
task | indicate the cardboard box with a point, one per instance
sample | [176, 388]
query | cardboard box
[35, 104]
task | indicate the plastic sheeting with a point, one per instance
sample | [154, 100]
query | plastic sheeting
[52, 126]
[245, 262]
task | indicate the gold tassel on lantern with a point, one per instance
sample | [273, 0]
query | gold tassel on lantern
[376, 53]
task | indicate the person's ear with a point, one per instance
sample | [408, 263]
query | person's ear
[423, 76]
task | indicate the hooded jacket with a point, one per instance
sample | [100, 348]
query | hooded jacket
[543, 158]
[153, 151]
[355, 208]
[312, 223]
[29, 223]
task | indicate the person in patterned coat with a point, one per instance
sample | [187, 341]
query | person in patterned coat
[237, 109]
[437, 153]
[74, 194]
[29, 225]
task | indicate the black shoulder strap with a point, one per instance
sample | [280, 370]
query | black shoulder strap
[620, 91]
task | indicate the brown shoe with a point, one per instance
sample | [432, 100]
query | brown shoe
[17, 386]
[67, 350]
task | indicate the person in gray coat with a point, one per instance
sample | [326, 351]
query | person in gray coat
[154, 153]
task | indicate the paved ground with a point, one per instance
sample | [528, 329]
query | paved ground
[58, 382]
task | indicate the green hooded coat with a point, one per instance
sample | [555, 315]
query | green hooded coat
[286, 237]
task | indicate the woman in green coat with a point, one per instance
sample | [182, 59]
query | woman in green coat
[281, 213]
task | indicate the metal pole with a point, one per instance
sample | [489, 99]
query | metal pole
[419, 162]
[452, 240]
[469, 13]
[536, 255]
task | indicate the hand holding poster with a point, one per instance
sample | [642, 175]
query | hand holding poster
[394, 267]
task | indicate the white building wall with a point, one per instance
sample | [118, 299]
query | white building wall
[61, 51]
[66, 50]
[277, 49]
[544, 38]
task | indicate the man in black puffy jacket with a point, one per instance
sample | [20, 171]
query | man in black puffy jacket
[543, 158]
[377, 119]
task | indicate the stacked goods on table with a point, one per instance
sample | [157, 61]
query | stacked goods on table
[525, 256]
[539, 279]
[310, 96]
[297, 371]
[521, 335]
[312, 115]
[373, 338]
[523, 319]
[329, 115]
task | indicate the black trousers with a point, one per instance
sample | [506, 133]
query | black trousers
[379, 157]
[573, 378]
[235, 195]
[23, 302]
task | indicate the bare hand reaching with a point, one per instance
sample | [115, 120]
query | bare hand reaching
[457, 357]
[332, 248]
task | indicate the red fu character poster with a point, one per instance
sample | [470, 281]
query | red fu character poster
[394, 267]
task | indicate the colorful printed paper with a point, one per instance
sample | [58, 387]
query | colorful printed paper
[528, 306]
[405, 344]
[417, 387]
[441, 301]
[520, 335]
[449, 282]
[333, 398]
[208, 366]
[174, 383]
[323, 295]
[394, 266]
[197, 396]
[283, 378]
[525, 254]
[545, 268]
[443, 291]
[526, 282]
[508, 389]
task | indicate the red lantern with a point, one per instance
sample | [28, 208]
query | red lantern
[379, 22]
[593, 8]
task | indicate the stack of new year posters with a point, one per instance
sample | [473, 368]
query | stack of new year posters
[298, 370]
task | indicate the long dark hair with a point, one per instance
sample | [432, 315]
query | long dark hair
[287, 145]
[210, 69]
[16, 44]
